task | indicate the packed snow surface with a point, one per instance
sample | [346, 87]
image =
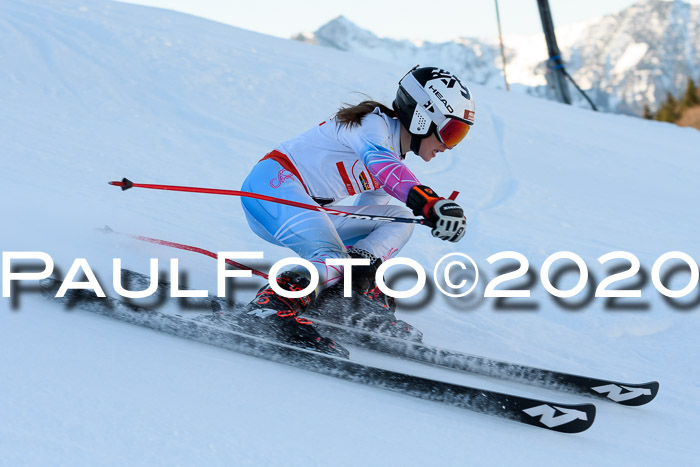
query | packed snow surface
[93, 91]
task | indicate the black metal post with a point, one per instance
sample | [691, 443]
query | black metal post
[556, 71]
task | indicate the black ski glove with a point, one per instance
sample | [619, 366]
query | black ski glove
[444, 215]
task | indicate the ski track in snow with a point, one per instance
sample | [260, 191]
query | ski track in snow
[506, 185]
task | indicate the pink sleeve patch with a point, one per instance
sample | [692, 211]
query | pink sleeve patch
[389, 171]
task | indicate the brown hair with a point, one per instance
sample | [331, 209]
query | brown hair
[351, 115]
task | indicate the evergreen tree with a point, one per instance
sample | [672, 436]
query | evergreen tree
[648, 114]
[669, 109]
[691, 98]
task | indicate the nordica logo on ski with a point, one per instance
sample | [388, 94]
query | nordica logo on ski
[615, 392]
[550, 419]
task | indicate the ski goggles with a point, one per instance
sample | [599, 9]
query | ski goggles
[451, 131]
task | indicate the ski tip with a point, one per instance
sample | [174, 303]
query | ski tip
[580, 425]
[590, 410]
[564, 418]
[632, 395]
[645, 393]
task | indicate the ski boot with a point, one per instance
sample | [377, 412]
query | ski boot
[278, 316]
[368, 308]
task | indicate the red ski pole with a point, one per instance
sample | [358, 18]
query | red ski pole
[182, 246]
[125, 184]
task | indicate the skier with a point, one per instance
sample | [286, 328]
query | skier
[359, 151]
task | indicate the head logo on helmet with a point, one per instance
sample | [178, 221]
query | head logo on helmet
[432, 100]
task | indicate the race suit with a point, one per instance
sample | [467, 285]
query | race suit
[324, 166]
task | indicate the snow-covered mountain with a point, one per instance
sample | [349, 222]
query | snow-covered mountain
[635, 56]
[95, 90]
[472, 54]
[624, 60]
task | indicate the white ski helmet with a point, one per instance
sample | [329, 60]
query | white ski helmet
[432, 100]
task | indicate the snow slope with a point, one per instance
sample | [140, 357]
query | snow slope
[93, 91]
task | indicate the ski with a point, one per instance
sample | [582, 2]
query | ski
[629, 394]
[621, 393]
[565, 418]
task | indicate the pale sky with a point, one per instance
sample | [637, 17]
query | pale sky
[436, 21]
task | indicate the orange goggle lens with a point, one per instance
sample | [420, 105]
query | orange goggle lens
[453, 131]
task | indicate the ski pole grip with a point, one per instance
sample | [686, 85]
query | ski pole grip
[454, 195]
